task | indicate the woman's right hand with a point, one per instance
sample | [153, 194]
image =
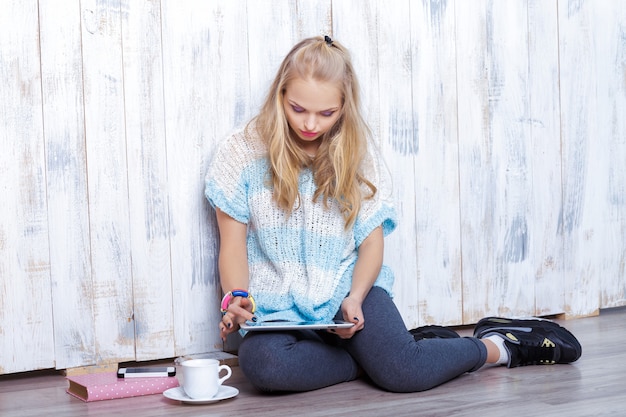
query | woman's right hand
[239, 311]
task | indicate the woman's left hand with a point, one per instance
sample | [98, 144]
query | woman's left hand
[352, 312]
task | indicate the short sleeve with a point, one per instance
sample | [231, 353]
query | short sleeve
[226, 186]
[378, 210]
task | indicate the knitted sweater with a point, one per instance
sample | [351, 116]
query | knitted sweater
[300, 266]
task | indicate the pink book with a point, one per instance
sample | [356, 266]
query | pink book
[107, 386]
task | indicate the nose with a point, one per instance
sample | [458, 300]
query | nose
[310, 122]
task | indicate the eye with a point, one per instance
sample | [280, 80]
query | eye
[327, 113]
[297, 109]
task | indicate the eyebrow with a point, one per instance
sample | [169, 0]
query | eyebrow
[293, 103]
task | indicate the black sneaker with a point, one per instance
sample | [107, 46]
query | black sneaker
[433, 332]
[531, 341]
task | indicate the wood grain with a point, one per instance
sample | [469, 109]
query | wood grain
[610, 46]
[584, 159]
[398, 141]
[268, 44]
[436, 154]
[314, 18]
[67, 183]
[546, 246]
[494, 159]
[26, 332]
[148, 185]
[105, 136]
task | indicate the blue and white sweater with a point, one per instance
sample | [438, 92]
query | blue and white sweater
[300, 266]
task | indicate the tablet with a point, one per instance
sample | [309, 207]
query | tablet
[294, 325]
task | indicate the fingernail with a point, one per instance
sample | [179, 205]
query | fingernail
[254, 319]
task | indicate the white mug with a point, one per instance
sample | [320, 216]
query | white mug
[201, 377]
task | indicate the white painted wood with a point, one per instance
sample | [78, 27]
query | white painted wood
[26, 333]
[399, 142]
[269, 39]
[546, 243]
[582, 162]
[66, 174]
[592, 54]
[355, 26]
[495, 159]
[185, 36]
[147, 180]
[314, 18]
[609, 28]
[437, 203]
[105, 137]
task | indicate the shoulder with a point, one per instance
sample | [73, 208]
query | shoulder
[240, 148]
[375, 169]
[243, 142]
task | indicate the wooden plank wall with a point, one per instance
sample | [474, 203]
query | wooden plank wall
[502, 124]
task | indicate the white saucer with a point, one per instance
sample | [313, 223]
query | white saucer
[178, 394]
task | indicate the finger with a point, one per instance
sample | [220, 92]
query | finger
[226, 329]
[222, 331]
[351, 331]
[241, 316]
[227, 320]
[246, 304]
[358, 325]
[342, 333]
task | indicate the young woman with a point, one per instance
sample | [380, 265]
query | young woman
[302, 206]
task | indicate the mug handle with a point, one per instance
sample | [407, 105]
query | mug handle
[225, 377]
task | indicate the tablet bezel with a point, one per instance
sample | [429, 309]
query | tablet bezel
[277, 325]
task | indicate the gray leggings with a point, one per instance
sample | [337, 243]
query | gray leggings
[384, 350]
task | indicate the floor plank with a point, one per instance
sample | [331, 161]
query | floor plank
[593, 386]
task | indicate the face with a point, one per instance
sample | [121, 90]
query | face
[312, 108]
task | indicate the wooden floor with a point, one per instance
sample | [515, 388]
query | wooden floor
[593, 386]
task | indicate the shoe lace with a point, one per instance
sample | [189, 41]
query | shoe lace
[535, 353]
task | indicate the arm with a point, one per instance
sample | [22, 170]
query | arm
[366, 270]
[233, 267]
[233, 259]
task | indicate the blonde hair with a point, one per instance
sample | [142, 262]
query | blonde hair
[337, 165]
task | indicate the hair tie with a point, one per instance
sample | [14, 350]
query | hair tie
[328, 40]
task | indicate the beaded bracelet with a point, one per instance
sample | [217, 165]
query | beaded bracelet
[236, 293]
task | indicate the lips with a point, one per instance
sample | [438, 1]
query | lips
[308, 134]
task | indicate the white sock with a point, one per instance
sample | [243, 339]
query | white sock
[504, 353]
